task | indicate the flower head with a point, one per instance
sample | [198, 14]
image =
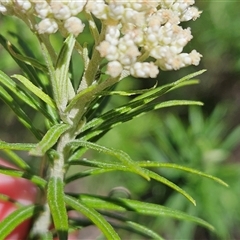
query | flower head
[141, 35]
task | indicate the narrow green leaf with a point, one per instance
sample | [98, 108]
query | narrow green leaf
[123, 204]
[140, 104]
[140, 229]
[123, 114]
[49, 139]
[120, 155]
[28, 60]
[116, 166]
[196, 119]
[18, 93]
[61, 74]
[55, 196]
[27, 69]
[34, 89]
[17, 160]
[11, 85]
[127, 93]
[94, 216]
[172, 185]
[190, 76]
[22, 116]
[232, 140]
[168, 87]
[182, 168]
[8, 224]
[17, 146]
[185, 83]
[107, 167]
[85, 94]
[45, 236]
[134, 104]
[40, 182]
[121, 222]
[89, 172]
[121, 117]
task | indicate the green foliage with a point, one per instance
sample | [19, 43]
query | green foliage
[75, 120]
[205, 144]
[15, 218]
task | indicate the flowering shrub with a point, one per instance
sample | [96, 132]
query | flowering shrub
[130, 38]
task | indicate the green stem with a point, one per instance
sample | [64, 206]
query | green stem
[92, 68]
[44, 39]
[57, 169]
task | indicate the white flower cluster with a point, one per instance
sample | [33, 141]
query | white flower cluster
[143, 29]
[142, 36]
[53, 14]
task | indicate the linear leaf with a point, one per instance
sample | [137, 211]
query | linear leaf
[119, 221]
[17, 146]
[232, 140]
[143, 99]
[40, 182]
[85, 94]
[172, 185]
[49, 139]
[135, 103]
[127, 93]
[11, 85]
[138, 106]
[18, 93]
[34, 89]
[8, 224]
[89, 172]
[28, 60]
[182, 168]
[114, 167]
[94, 216]
[123, 204]
[120, 155]
[61, 73]
[21, 115]
[55, 196]
[27, 69]
[143, 230]
[124, 116]
[17, 160]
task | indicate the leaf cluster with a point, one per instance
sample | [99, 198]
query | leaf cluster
[48, 89]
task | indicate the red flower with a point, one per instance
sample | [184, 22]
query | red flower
[21, 190]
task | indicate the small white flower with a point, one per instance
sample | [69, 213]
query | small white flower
[47, 25]
[60, 10]
[190, 13]
[23, 6]
[114, 69]
[76, 6]
[42, 9]
[195, 57]
[74, 25]
[144, 70]
[3, 9]
[97, 8]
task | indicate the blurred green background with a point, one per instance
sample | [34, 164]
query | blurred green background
[206, 138]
